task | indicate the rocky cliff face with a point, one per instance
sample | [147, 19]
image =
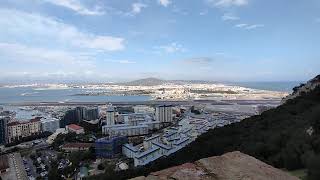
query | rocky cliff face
[303, 88]
[233, 165]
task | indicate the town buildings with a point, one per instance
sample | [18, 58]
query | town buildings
[50, 124]
[109, 147]
[143, 109]
[155, 147]
[164, 113]
[73, 128]
[125, 130]
[3, 129]
[78, 114]
[110, 116]
[20, 129]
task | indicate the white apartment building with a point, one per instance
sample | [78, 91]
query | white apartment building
[147, 156]
[125, 130]
[143, 109]
[164, 113]
[153, 148]
[129, 150]
[50, 124]
[18, 130]
[110, 116]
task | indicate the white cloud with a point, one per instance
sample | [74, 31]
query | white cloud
[229, 17]
[198, 60]
[249, 26]
[202, 13]
[48, 31]
[126, 62]
[121, 61]
[77, 6]
[255, 26]
[137, 7]
[164, 3]
[172, 48]
[241, 25]
[227, 3]
[25, 54]
[180, 11]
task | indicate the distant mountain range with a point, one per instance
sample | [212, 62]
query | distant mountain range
[156, 81]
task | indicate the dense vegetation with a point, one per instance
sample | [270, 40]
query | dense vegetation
[286, 137]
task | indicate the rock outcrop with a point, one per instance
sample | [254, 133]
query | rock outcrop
[233, 165]
[303, 88]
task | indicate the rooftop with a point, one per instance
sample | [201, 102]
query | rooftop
[74, 127]
[15, 123]
[147, 152]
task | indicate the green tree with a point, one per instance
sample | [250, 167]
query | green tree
[313, 166]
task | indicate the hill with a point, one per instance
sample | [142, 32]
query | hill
[285, 137]
[146, 82]
[156, 81]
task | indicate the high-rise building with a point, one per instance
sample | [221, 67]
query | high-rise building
[78, 114]
[91, 113]
[164, 113]
[110, 116]
[3, 129]
[68, 118]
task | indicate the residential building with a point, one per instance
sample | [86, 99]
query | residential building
[143, 109]
[109, 147]
[91, 113]
[78, 114]
[110, 115]
[3, 129]
[147, 142]
[164, 113]
[152, 125]
[75, 129]
[133, 119]
[21, 129]
[147, 156]
[129, 150]
[125, 130]
[50, 124]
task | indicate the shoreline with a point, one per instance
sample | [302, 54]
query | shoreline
[148, 102]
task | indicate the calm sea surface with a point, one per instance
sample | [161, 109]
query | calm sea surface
[272, 86]
[20, 95]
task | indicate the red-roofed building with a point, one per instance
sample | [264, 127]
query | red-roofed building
[75, 128]
[21, 129]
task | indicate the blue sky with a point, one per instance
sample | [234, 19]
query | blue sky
[119, 40]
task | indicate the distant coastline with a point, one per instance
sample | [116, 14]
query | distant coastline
[285, 86]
